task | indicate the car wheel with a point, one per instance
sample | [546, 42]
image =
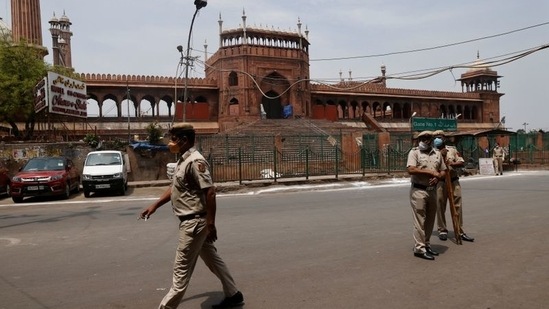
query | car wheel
[123, 190]
[17, 199]
[67, 193]
[87, 193]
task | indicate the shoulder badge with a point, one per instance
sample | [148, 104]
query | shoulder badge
[201, 167]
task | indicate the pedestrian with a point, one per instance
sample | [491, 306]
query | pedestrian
[453, 160]
[193, 199]
[426, 167]
[498, 156]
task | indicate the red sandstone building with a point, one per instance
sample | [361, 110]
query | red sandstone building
[254, 75]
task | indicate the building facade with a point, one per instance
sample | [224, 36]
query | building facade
[259, 73]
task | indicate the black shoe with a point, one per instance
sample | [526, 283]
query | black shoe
[467, 238]
[443, 236]
[431, 251]
[424, 255]
[236, 300]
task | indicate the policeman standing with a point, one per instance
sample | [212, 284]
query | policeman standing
[427, 168]
[498, 156]
[192, 194]
[453, 160]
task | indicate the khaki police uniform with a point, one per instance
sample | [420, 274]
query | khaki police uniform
[452, 156]
[498, 156]
[423, 196]
[191, 176]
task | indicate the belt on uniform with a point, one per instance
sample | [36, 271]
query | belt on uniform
[499, 156]
[192, 216]
[451, 180]
[422, 187]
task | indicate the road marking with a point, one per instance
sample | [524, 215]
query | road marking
[11, 241]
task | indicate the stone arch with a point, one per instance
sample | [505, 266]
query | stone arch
[366, 109]
[443, 112]
[165, 106]
[234, 107]
[273, 85]
[387, 110]
[397, 111]
[147, 106]
[200, 99]
[342, 110]
[233, 79]
[109, 106]
[272, 105]
[354, 110]
[377, 110]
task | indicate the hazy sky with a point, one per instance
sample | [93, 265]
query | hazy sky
[140, 37]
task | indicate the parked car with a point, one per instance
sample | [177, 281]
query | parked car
[105, 170]
[4, 179]
[45, 176]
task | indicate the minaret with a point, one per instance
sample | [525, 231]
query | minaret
[220, 22]
[26, 22]
[244, 38]
[61, 34]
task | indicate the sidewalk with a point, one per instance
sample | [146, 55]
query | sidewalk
[236, 185]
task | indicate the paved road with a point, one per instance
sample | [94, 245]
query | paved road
[333, 247]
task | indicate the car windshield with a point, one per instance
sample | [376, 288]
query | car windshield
[95, 159]
[44, 164]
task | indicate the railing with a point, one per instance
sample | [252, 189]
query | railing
[245, 166]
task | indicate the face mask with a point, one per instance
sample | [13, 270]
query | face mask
[438, 142]
[173, 147]
[424, 146]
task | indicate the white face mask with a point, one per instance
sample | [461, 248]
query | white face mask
[424, 146]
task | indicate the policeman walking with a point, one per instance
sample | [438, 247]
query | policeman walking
[192, 194]
[453, 160]
[427, 168]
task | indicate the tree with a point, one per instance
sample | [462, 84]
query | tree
[21, 67]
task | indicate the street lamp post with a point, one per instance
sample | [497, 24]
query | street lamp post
[177, 73]
[199, 4]
[412, 130]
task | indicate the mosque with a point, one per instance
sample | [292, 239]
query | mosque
[258, 76]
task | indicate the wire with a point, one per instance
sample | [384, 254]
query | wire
[433, 48]
[411, 75]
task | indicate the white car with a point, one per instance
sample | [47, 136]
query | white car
[105, 170]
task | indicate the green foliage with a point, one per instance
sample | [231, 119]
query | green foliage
[21, 67]
[91, 139]
[117, 144]
[154, 133]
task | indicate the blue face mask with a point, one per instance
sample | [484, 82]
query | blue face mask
[438, 142]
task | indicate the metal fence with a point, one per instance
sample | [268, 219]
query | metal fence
[255, 157]
[244, 158]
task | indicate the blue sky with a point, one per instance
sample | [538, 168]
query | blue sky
[140, 37]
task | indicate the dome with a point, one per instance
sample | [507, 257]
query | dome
[53, 19]
[478, 65]
[64, 18]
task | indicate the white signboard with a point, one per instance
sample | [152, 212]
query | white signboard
[486, 166]
[66, 96]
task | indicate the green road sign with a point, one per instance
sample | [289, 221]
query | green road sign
[422, 124]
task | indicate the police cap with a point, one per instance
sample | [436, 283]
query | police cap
[438, 133]
[425, 134]
[182, 129]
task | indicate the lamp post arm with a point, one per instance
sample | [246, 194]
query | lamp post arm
[187, 64]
